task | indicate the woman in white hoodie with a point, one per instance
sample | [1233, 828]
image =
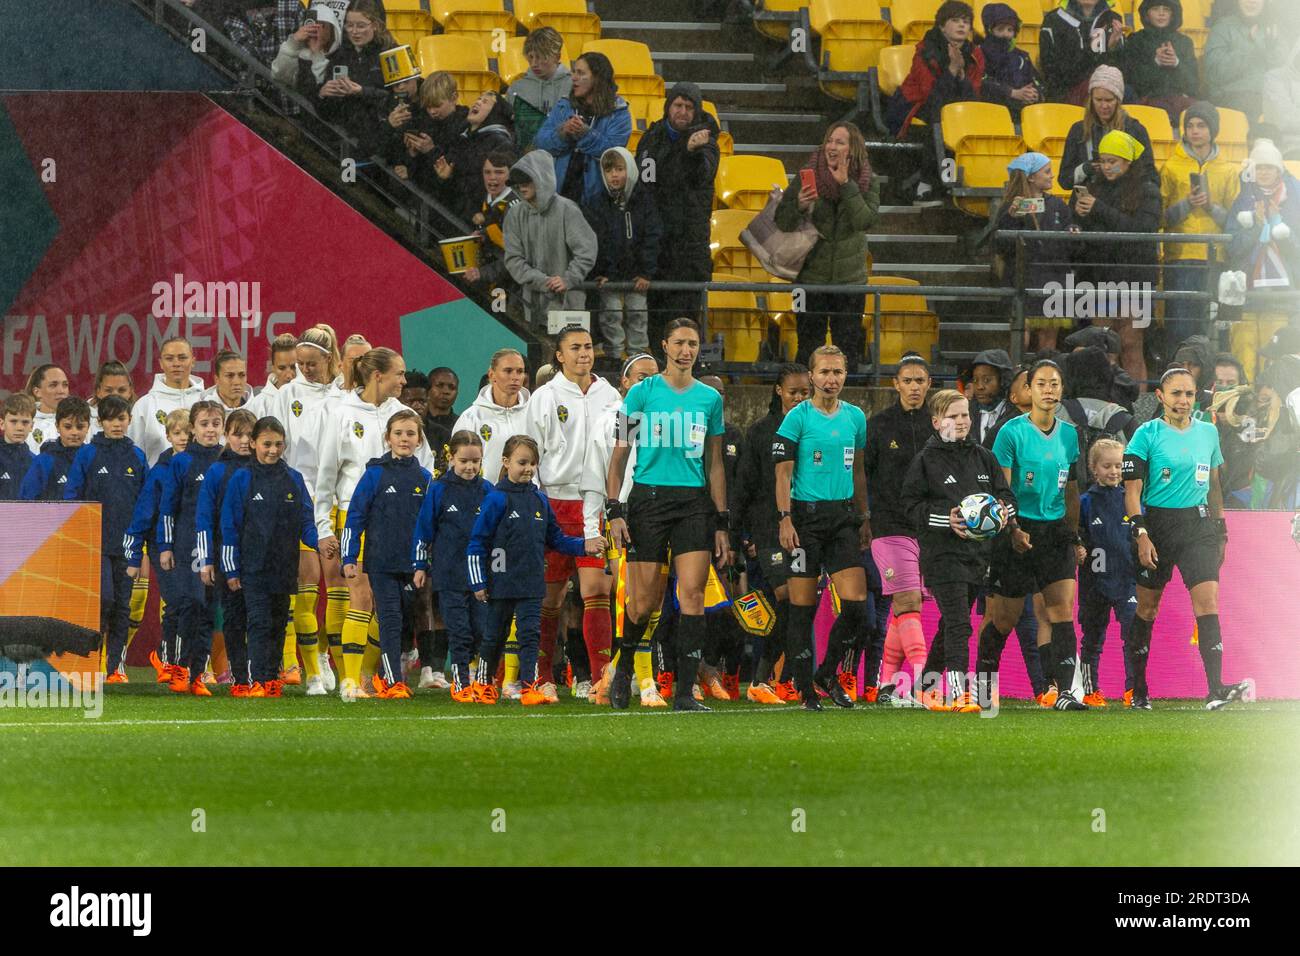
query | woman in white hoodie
[174, 387]
[351, 434]
[303, 59]
[498, 412]
[299, 405]
[563, 417]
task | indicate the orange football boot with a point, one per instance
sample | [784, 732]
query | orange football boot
[117, 677]
[850, 684]
[486, 693]
[199, 689]
[291, 676]
[239, 690]
[180, 682]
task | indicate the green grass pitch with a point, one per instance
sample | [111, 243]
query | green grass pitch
[303, 781]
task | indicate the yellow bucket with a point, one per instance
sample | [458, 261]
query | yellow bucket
[398, 64]
[460, 253]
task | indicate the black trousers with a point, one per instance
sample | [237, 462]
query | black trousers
[951, 648]
[843, 313]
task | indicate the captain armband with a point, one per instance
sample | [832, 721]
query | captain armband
[784, 449]
[1135, 468]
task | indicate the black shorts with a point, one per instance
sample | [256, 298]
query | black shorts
[1184, 537]
[1051, 559]
[771, 559]
[828, 538]
[661, 518]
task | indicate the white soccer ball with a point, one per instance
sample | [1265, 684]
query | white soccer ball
[983, 515]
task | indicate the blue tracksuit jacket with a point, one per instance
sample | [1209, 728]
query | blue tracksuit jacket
[384, 504]
[507, 548]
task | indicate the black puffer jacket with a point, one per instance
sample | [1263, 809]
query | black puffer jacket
[682, 188]
[1120, 261]
[362, 114]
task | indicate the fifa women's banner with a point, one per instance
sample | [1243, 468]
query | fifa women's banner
[134, 217]
[1259, 604]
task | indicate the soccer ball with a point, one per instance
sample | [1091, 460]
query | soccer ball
[983, 515]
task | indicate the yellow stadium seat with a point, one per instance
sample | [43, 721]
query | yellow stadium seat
[746, 182]
[729, 254]
[571, 18]
[906, 322]
[1233, 131]
[894, 64]
[1157, 126]
[726, 145]
[983, 142]
[634, 71]
[463, 58]
[1293, 167]
[853, 32]
[408, 18]
[512, 64]
[1044, 127]
[487, 19]
[912, 18]
[737, 317]
[634, 139]
[1031, 21]
[776, 29]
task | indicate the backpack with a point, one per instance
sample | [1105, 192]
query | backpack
[1096, 419]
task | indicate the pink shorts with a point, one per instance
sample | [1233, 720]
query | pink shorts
[898, 559]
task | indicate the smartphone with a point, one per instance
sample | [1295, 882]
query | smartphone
[308, 17]
[340, 72]
[808, 180]
[1081, 191]
[1195, 180]
[1026, 205]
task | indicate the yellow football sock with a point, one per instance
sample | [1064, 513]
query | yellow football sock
[643, 661]
[355, 625]
[336, 606]
[289, 651]
[336, 651]
[307, 629]
[370, 659]
[512, 656]
[139, 598]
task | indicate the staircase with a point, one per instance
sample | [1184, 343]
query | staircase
[780, 111]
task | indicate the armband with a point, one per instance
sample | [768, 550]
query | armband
[614, 509]
[1134, 468]
[784, 449]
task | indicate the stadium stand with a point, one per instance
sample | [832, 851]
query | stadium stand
[638, 83]
[911, 19]
[481, 18]
[983, 141]
[852, 32]
[746, 182]
[571, 18]
[1156, 121]
[463, 58]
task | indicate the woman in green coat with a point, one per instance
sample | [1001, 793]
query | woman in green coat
[843, 204]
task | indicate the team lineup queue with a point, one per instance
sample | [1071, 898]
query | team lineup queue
[638, 498]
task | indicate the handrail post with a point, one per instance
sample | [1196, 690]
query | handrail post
[1016, 351]
[875, 338]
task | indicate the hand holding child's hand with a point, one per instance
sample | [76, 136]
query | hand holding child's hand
[167, 561]
[420, 579]
[480, 596]
[350, 571]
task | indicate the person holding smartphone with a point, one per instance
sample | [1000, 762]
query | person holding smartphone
[1028, 204]
[839, 194]
[1197, 186]
[303, 58]
[354, 92]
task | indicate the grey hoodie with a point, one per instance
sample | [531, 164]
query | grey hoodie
[1282, 103]
[547, 237]
[285, 66]
[539, 93]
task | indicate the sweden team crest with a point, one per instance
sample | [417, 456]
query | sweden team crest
[296, 408]
[161, 416]
[486, 432]
[38, 435]
[358, 429]
[562, 413]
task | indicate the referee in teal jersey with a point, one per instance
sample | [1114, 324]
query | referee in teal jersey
[1171, 467]
[821, 500]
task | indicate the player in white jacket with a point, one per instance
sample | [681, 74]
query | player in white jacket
[299, 405]
[351, 434]
[174, 387]
[47, 385]
[282, 370]
[563, 416]
[498, 412]
[230, 390]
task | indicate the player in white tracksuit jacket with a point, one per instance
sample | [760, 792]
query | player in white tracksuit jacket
[352, 433]
[498, 412]
[562, 416]
[174, 387]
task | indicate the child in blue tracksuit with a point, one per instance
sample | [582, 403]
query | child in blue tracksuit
[1108, 575]
[15, 454]
[265, 513]
[386, 501]
[442, 540]
[178, 545]
[207, 522]
[143, 533]
[111, 470]
[48, 475]
[506, 553]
